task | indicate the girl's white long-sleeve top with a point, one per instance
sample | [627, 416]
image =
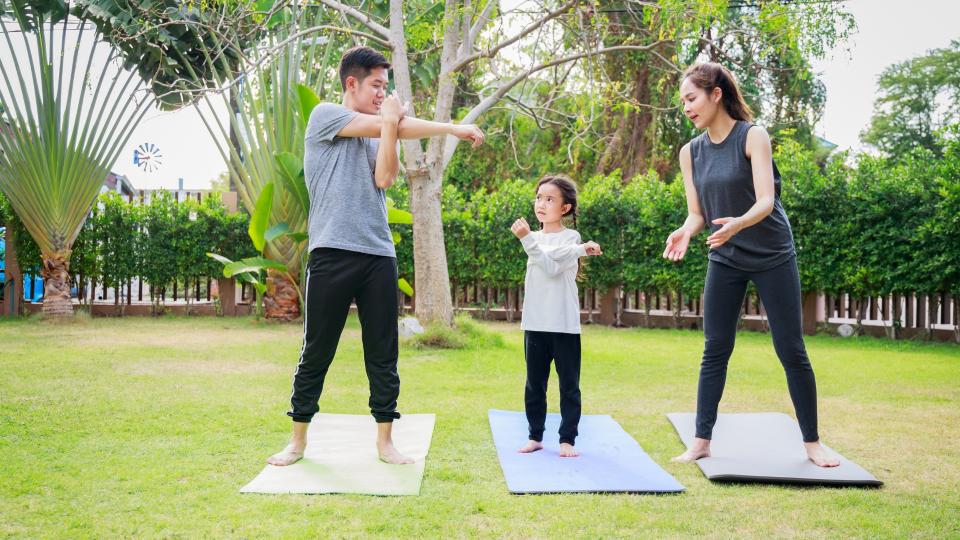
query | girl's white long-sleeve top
[550, 301]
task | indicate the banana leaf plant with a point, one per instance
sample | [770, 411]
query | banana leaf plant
[267, 119]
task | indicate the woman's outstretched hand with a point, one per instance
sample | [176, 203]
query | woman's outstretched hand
[677, 244]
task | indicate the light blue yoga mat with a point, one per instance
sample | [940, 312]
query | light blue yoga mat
[610, 459]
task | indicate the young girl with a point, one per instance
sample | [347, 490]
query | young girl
[551, 309]
[733, 185]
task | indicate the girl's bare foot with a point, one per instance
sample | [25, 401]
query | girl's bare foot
[531, 446]
[699, 449]
[288, 456]
[819, 456]
[567, 450]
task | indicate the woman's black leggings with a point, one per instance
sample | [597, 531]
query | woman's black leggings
[779, 290]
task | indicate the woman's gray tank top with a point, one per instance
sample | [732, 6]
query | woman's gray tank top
[723, 178]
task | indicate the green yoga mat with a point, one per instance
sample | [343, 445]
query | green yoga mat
[341, 457]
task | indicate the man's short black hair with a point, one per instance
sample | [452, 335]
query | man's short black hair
[358, 62]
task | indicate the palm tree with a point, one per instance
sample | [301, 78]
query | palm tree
[71, 107]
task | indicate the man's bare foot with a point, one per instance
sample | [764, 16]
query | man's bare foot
[288, 456]
[699, 449]
[385, 449]
[819, 456]
[389, 454]
[567, 450]
[531, 446]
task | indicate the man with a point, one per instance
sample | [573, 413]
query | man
[350, 158]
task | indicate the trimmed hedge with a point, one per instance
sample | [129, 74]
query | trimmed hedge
[161, 242]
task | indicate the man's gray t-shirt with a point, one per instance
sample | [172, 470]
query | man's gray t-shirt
[347, 209]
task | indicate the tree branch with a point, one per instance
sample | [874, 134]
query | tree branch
[482, 21]
[490, 100]
[360, 16]
[489, 53]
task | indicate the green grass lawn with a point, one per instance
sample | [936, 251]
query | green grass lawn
[148, 428]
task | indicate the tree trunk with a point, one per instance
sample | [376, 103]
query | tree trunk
[432, 280]
[281, 301]
[56, 285]
[425, 172]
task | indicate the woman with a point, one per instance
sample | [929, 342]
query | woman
[733, 185]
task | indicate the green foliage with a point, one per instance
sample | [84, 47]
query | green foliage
[28, 253]
[284, 77]
[160, 245]
[604, 213]
[84, 260]
[167, 40]
[769, 46]
[816, 204]
[5, 211]
[116, 237]
[939, 235]
[885, 208]
[403, 236]
[261, 216]
[917, 98]
[458, 224]
[54, 152]
[499, 255]
[516, 147]
[657, 210]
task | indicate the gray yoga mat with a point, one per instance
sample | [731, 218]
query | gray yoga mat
[341, 457]
[765, 447]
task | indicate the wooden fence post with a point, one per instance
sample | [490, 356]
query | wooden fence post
[814, 312]
[608, 306]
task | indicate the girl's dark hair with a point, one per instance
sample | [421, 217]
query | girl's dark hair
[710, 75]
[358, 62]
[567, 188]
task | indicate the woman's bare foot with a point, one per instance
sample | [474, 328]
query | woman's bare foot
[531, 446]
[819, 456]
[699, 449]
[389, 454]
[567, 450]
[289, 455]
